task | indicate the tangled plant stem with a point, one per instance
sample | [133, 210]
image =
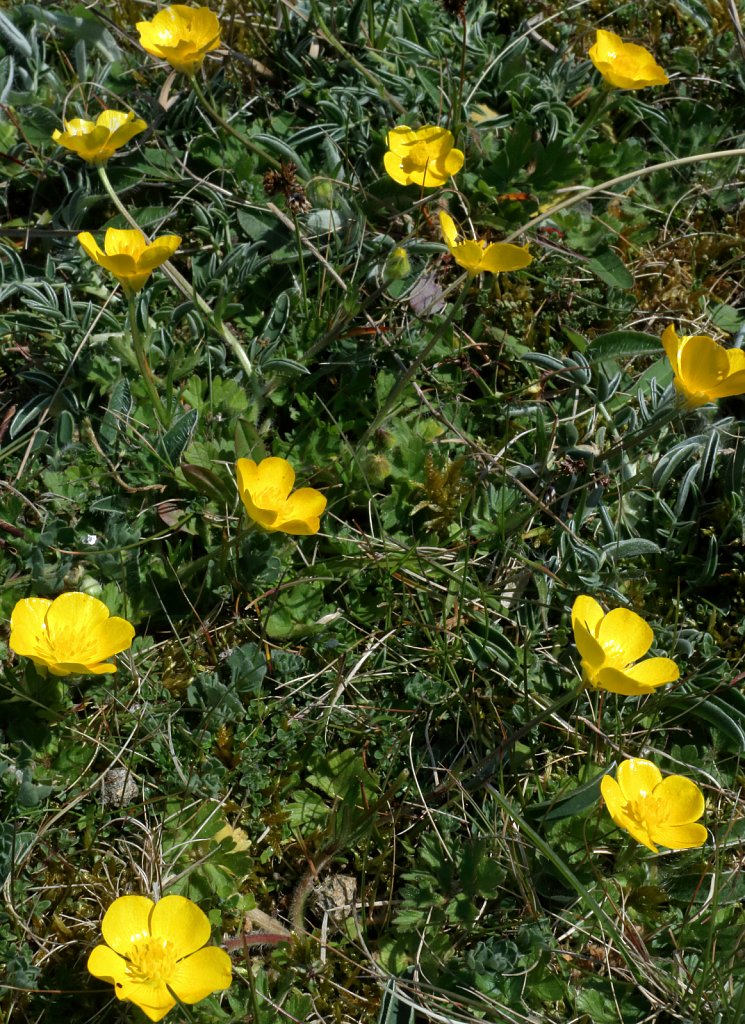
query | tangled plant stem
[642, 172]
[407, 375]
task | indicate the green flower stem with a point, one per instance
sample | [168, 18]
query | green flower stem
[405, 379]
[147, 374]
[641, 172]
[186, 289]
[331, 39]
[245, 140]
[603, 101]
[458, 107]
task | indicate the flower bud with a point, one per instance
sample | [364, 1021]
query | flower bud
[397, 266]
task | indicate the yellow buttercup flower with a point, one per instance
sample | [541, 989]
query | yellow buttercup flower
[476, 256]
[609, 644]
[653, 809]
[128, 256]
[265, 491]
[181, 35]
[153, 949]
[95, 141]
[72, 635]
[625, 65]
[704, 370]
[424, 157]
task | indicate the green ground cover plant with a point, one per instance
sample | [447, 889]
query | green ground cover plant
[372, 524]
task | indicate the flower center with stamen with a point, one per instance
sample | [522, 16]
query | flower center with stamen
[152, 961]
[646, 810]
[417, 155]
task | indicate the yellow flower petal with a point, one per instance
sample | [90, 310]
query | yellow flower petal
[653, 809]
[97, 142]
[90, 246]
[114, 119]
[617, 680]
[587, 611]
[27, 628]
[617, 808]
[704, 370]
[502, 256]
[246, 472]
[437, 142]
[265, 492]
[452, 162]
[680, 837]
[206, 971]
[124, 242]
[682, 799]
[274, 480]
[703, 363]
[424, 157]
[399, 139]
[586, 618]
[181, 35]
[159, 250]
[654, 672]
[637, 777]
[612, 795]
[624, 636]
[71, 635]
[177, 920]
[394, 168]
[76, 126]
[79, 668]
[469, 255]
[152, 996]
[731, 385]
[671, 344]
[625, 65]
[107, 965]
[432, 175]
[638, 680]
[448, 228]
[126, 922]
[301, 512]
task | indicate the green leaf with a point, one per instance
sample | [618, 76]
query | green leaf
[579, 800]
[392, 1009]
[117, 413]
[727, 318]
[173, 442]
[623, 345]
[611, 270]
[634, 547]
[208, 483]
[14, 36]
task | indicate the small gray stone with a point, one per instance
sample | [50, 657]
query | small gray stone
[118, 787]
